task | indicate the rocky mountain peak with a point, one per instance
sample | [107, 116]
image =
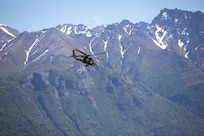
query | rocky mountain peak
[125, 22]
[7, 33]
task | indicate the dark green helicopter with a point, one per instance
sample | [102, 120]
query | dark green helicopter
[84, 58]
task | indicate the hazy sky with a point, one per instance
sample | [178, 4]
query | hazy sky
[34, 15]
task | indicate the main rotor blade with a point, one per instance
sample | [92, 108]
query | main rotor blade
[79, 51]
[99, 53]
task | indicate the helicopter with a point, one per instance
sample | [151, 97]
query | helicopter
[83, 57]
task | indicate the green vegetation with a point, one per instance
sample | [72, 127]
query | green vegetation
[66, 102]
[149, 95]
[178, 80]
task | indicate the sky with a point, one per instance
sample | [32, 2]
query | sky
[35, 15]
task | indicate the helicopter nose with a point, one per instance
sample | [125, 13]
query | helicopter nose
[94, 64]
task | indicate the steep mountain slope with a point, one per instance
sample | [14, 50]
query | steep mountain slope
[149, 82]
[180, 32]
[7, 33]
[184, 32]
[29, 49]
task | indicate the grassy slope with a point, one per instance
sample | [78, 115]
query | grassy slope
[174, 78]
[19, 113]
[115, 104]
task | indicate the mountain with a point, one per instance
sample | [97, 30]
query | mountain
[7, 33]
[187, 28]
[149, 82]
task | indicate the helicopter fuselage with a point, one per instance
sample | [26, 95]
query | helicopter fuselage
[84, 58]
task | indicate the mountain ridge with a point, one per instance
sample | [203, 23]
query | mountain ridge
[149, 82]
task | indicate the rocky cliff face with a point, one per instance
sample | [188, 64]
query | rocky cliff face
[185, 30]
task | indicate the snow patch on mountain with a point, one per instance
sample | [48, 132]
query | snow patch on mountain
[180, 43]
[36, 59]
[121, 47]
[128, 29]
[3, 28]
[105, 48]
[138, 52]
[4, 45]
[186, 55]
[164, 15]
[90, 46]
[75, 29]
[160, 33]
[66, 29]
[30, 48]
[11, 39]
